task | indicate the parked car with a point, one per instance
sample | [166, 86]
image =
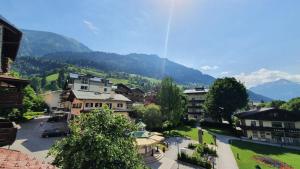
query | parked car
[55, 132]
[57, 119]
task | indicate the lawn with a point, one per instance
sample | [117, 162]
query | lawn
[31, 115]
[247, 150]
[222, 131]
[52, 77]
[192, 132]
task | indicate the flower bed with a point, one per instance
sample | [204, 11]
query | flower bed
[272, 162]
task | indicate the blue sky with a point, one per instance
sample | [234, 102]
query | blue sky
[254, 40]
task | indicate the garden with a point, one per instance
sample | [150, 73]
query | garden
[251, 155]
[202, 155]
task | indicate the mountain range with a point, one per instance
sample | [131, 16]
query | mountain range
[39, 43]
[280, 90]
[47, 46]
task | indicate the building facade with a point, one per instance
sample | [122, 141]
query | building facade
[85, 101]
[196, 98]
[270, 125]
[11, 95]
[136, 95]
[88, 83]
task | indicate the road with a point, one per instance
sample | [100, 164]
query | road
[29, 141]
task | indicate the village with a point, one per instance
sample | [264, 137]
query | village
[92, 122]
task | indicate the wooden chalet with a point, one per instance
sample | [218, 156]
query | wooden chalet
[10, 87]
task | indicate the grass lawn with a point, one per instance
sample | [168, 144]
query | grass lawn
[226, 132]
[192, 132]
[246, 151]
[52, 77]
[31, 115]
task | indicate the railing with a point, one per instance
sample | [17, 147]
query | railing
[11, 99]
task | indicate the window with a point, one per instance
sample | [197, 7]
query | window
[77, 105]
[83, 87]
[289, 125]
[255, 135]
[84, 81]
[120, 105]
[92, 104]
[276, 124]
[96, 104]
[109, 105]
[261, 123]
[253, 123]
[262, 135]
[105, 89]
[86, 104]
[100, 104]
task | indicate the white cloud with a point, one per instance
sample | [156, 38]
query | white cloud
[207, 68]
[264, 75]
[224, 73]
[91, 26]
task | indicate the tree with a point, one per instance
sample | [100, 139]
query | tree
[273, 103]
[43, 82]
[61, 78]
[99, 139]
[292, 105]
[170, 100]
[32, 101]
[138, 111]
[224, 98]
[36, 84]
[153, 117]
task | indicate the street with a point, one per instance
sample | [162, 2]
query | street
[30, 142]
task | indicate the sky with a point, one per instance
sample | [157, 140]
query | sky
[256, 41]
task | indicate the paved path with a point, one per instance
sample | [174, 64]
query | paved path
[225, 158]
[169, 161]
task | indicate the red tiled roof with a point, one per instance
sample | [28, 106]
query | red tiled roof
[11, 159]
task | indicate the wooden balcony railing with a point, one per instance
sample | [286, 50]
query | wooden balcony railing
[11, 99]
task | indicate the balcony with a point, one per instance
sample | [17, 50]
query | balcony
[11, 99]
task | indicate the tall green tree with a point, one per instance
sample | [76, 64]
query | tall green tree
[99, 139]
[61, 78]
[153, 117]
[292, 105]
[43, 82]
[170, 101]
[225, 97]
[36, 84]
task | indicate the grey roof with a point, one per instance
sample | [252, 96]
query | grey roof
[96, 79]
[73, 75]
[79, 94]
[270, 114]
[192, 91]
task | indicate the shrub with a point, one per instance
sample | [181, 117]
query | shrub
[206, 150]
[195, 160]
[192, 146]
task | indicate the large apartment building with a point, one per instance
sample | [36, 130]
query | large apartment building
[84, 93]
[196, 98]
[270, 125]
[88, 83]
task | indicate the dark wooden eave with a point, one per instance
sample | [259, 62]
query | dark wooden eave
[11, 39]
[270, 114]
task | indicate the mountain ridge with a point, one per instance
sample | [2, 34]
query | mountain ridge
[281, 89]
[38, 43]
